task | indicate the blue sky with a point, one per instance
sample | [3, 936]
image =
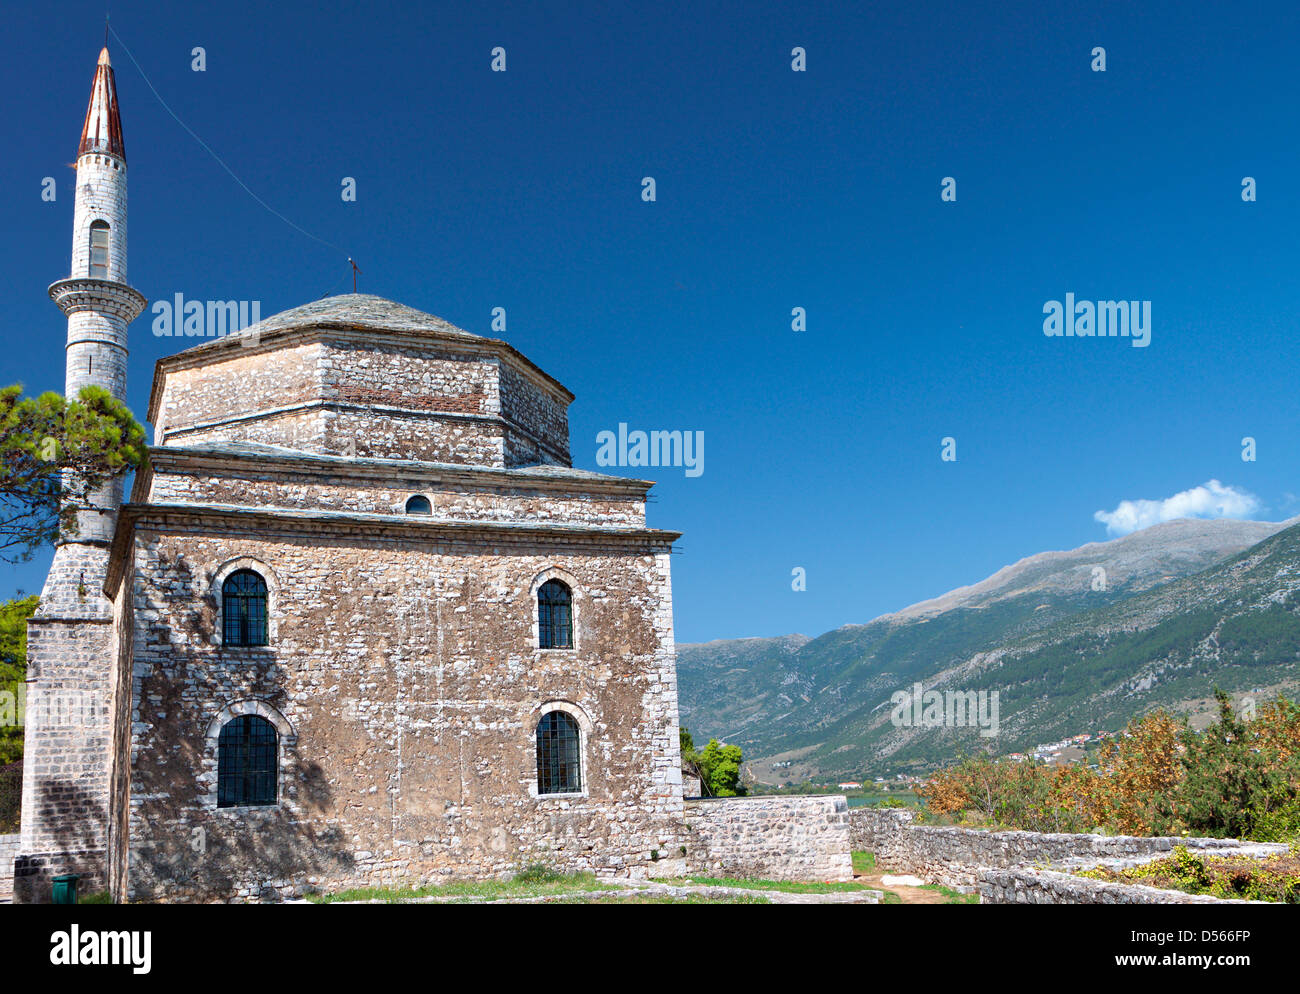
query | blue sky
[775, 190]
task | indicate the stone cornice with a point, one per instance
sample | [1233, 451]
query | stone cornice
[183, 460]
[76, 294]
[366, 527]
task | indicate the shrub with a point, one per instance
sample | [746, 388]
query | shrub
[1237, 779]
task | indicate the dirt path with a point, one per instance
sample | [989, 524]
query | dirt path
[908, 895]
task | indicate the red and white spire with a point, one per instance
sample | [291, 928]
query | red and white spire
[102, 131]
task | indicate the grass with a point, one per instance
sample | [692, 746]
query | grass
[954, 896]
[664, 899]
[865, 862]
[784, 886]
[531, 882]
[99, 897]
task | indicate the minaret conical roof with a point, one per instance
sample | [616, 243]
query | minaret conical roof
[102, 131]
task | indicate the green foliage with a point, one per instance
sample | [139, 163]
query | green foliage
[863, 862]
[1275, 879]
[538, 873]
[13, 668]
[11, 798]
[782, 886]
[537, 880]
[92, 438]
[717, 765]
[720, 766]
[1232, 787]
[1262, 638]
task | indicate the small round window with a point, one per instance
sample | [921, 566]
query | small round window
[419, 505]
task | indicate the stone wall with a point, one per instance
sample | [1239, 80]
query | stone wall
[404, 677]
[541, 417]
[954, 856]
[8, 853]
[771, 838]
[1030, 886]
[67, 758]
[444, 396]
[334, 485]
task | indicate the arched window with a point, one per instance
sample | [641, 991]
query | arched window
[247, 762]
[559, 754]
[555, 615]
[419, 505]
[243, 609]
[99, 250]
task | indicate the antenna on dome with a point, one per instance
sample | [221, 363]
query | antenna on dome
[355, 270]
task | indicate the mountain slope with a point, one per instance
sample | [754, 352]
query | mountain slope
[1060, 653]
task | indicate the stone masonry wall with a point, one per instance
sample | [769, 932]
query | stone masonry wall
[542, 420]
[100, 196]
[329, 430]
[297, 490]
[8, 853]
[66, 755]
[368, 398]
[234, 387]
[1038, 886]
[771, 838]
[406, 680]
[954, 856]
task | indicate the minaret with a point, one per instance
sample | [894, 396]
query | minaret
[96, 298]
[75, 722]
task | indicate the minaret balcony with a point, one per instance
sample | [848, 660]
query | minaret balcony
[77, 294]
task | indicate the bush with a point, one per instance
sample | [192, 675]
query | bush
[1238, 779]
[538, 873]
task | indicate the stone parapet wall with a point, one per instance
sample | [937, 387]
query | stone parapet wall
[773, 838]
[954, 856]
[1028, 886]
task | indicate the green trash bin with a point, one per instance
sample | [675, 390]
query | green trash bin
[65, 888]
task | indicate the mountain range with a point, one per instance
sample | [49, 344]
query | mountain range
[1073, 641]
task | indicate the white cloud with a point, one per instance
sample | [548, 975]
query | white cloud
[1210, 500]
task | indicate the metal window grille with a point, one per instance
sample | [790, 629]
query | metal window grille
[559, 754]
[555, 616]
[99, 250]
[247, 762]
[243, 609]
[419, 505]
